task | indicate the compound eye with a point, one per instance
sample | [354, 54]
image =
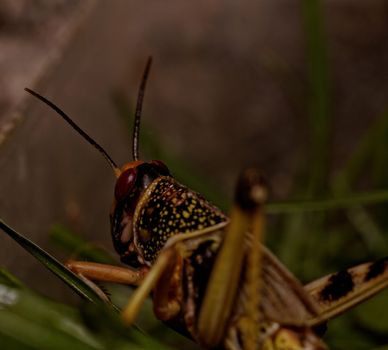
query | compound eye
[162, 168]
[125, 183]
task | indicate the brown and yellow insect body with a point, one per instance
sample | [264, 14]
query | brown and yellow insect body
[211, 278]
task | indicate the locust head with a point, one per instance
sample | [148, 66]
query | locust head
[132, 182]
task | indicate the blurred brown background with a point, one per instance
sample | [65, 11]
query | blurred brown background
[229, 88]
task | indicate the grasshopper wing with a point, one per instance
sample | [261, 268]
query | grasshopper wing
[284, 299]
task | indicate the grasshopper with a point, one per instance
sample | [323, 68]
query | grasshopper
[210, 276]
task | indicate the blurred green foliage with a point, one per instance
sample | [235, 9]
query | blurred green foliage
[29, 321]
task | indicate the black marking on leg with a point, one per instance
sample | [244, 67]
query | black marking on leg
[339, 285]
[376, 269]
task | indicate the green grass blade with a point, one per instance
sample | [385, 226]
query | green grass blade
[361, 155]
[289, 207]
[319, 99]
[9, 280]
[371, 146]
[72, 280]
[295, 237]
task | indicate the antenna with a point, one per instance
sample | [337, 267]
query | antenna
[139, 105]
[77, 128]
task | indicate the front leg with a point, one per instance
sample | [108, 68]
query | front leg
[164, 274]
[91, 271]
[107, 273]
[166, 270]
[216, 310]
[164, 278]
